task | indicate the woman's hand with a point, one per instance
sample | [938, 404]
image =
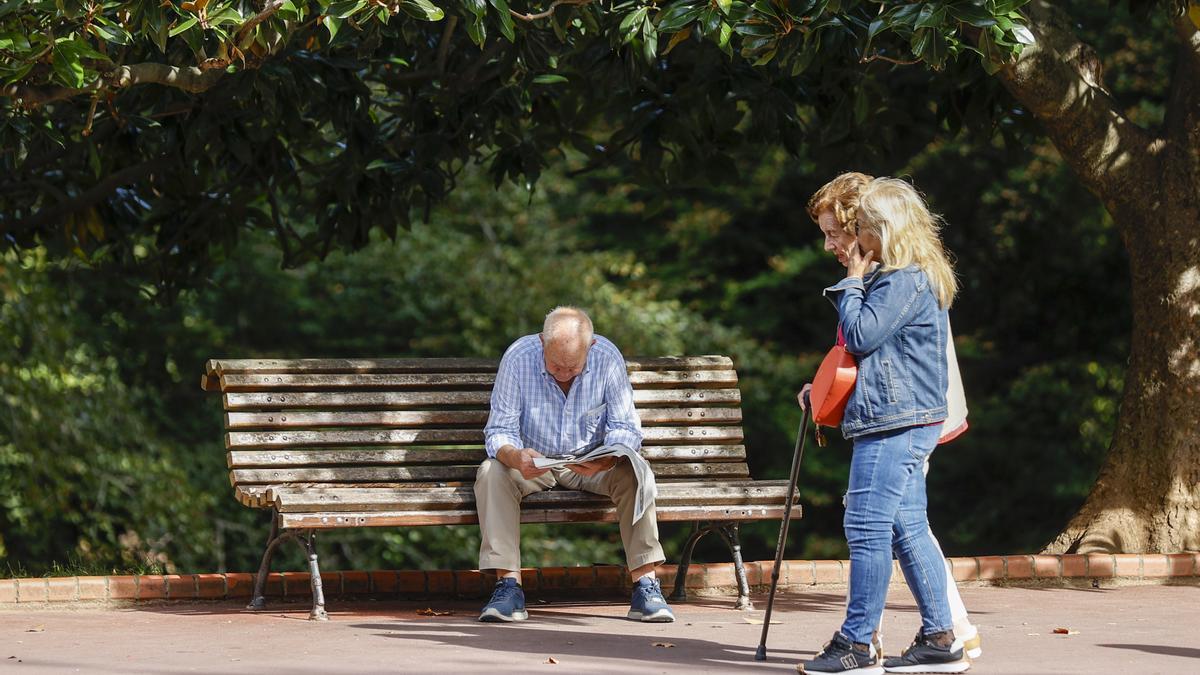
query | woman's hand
[802, 397]
[858, 264]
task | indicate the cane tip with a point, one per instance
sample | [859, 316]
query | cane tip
[761, 653]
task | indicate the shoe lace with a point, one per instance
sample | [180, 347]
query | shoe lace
[651, 590]
[503, 592]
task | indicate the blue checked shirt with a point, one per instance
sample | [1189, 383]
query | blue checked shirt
[529, 410]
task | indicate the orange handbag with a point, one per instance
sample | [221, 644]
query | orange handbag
[833, 384]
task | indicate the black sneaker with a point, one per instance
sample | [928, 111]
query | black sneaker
[840, 656]
[926, 656]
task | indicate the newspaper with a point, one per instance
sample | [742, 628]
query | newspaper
[647, 489]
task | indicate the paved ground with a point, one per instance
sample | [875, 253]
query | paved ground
[1144, 629]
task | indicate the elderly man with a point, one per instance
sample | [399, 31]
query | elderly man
[556, 392]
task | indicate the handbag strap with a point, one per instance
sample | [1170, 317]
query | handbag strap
[841, 339]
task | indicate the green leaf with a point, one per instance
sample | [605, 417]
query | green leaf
[423, 9]
[674, 19]
[67, 65]
[649, 41]
[343, 10]
[723, 5]
[179, 28]
[332, 24]
[973, 14]
[631, 24]
[549, 79]
[111, 33]
[476, 7]
[506, 20]
[1023, 35]
[477, 31]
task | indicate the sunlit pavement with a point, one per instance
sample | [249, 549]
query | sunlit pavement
[1137, 629]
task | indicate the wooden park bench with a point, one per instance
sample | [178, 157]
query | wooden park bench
[334, 443]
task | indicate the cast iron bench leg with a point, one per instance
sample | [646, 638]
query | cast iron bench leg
[728, 532]
[314, 571]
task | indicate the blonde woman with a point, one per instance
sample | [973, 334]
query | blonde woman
[894, 319]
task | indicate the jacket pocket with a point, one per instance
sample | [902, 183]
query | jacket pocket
[889, 381]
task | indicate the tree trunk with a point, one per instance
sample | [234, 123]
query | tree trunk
[1147, 497]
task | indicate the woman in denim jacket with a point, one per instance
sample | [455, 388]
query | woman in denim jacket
[894, 319]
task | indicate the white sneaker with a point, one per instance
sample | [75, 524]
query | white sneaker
[966, 636]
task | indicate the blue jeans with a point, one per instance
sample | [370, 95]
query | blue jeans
[885, 513]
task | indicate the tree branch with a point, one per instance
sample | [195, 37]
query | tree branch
[193, 80]
[444, 44]
[549, 11]
[93, 196]
[1060, 81]
[270, 8]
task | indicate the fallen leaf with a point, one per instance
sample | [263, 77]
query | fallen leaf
[663, 644]
[758, 621]
[1065, 631]
[40, 628]
[429, 611]
[552, 660]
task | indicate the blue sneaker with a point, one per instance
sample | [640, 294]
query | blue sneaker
[648, 603]
[507, 603]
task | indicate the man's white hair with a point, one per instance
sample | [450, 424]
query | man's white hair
[567, 326]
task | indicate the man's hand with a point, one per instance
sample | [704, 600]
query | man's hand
[521, 460]
[802, 397]
[593, 467]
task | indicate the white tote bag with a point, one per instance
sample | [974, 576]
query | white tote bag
[956, 399]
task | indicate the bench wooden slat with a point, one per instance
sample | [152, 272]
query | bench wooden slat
[354, 474]
[375, 437]
[296, 457]
[434, 365]
[443, 418]
[418, 399]
[401, 381]
[300, 500]
[581, 515]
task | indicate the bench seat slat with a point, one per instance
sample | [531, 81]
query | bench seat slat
[294, 457]
[331, 520]
[464, 472]
[397, 400]
[300, 500]
[444, 418]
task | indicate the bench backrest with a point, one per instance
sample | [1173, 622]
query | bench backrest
[418, 423]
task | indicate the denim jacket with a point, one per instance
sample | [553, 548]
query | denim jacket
[893, 325]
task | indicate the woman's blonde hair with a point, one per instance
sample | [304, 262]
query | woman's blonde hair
[895, 212]
[840, 196]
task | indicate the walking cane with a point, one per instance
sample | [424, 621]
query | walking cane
[761, 653]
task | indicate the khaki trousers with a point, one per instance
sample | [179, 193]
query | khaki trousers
[499, 491]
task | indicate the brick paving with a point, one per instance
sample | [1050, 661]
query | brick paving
[1115, 628]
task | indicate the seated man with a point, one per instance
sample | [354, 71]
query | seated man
[554, 393]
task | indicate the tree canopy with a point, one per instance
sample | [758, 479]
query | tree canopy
[321, 121]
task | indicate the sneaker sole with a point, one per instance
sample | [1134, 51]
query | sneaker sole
[952, 667]
[491, 615]
[661, 616]
[870, 670]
